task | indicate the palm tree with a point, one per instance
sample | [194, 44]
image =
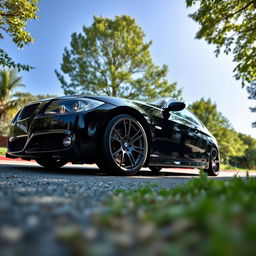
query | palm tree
[10, 102]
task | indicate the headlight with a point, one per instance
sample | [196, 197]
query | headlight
[72, 106]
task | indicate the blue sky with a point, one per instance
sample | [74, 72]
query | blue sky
[191, 62]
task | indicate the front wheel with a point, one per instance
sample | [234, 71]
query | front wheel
[214, 166]
[51, 163]
[125, 146]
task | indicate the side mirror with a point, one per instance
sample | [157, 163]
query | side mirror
[175, 106]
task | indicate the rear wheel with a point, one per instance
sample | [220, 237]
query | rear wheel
[125, 146]
[214, 166]
[51, 163]
[155, 169]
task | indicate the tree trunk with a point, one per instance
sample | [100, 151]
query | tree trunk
[113, 91]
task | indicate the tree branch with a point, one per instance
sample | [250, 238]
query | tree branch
[242, 9]
[10, 14]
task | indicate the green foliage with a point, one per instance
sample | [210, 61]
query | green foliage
[43, 96]
[2, 151]
[14, 15]
[229, 142]
[230, 25]
[4, 126]
[6, 60]
[110, 57]
[232, 168]
[202, 217]
[249, 158]
[11, 102]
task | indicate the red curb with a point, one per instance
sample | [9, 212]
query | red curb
[3, 158]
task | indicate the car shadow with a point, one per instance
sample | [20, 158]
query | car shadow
[88, 170]
[73, 170]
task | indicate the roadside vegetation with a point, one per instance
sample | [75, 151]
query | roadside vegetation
[236, 149]
[2, 151]
[226, 167]
[12, 100]
[203, 217]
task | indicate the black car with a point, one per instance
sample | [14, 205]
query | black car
[119, 135]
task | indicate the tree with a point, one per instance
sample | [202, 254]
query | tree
[14, 15]
[110, 57]
[249, 159]
[10, 101]
[230, 25]
[229, 142]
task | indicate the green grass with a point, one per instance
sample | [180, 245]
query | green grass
[202, 217]
[2, 151]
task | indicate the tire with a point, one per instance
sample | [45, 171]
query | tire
[214, 165]
[125, 146]
[155, 169]
[51, 164]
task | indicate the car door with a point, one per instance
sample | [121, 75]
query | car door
[177, 139]
[195, 140]
[168, 142]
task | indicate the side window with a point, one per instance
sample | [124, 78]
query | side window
[186, 114]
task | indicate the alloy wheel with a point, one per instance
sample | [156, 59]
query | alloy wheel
[128, 144]
[215, 161]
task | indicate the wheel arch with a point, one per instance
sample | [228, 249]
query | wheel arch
[142, 118]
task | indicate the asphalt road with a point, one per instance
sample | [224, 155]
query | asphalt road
[35, 202]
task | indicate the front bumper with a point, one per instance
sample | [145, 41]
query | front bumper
[42, 137]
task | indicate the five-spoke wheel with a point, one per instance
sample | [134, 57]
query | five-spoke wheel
[125, 146]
